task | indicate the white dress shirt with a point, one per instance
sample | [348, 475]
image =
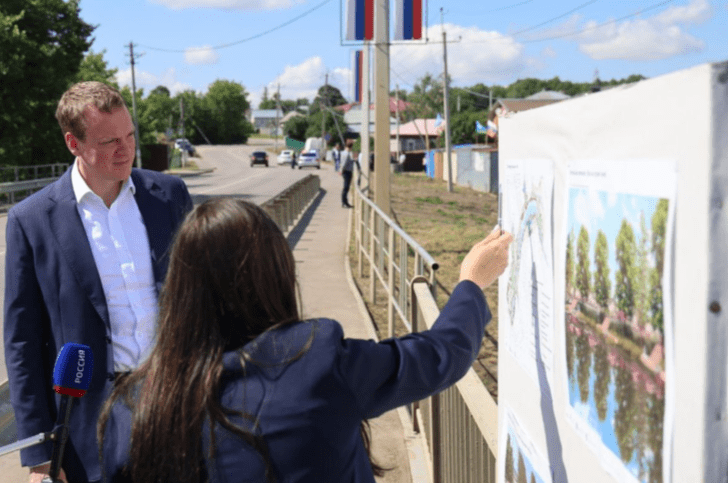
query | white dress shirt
[120, 248]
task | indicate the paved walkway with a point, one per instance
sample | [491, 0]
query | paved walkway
[327, 290]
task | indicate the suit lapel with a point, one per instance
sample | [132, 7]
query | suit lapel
[66, 225]
[152, 202]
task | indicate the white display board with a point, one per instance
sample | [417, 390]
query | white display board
[612, 308]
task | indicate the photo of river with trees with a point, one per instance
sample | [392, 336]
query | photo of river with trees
[615, 323]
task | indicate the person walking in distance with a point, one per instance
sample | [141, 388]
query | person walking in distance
[347, 171]
[86, 257]
[336, 153]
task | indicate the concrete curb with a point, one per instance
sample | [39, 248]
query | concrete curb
[419, 456]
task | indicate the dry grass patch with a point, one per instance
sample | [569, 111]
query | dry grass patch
[446, 225]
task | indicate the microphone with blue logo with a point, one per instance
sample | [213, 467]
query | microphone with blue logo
[71, 379]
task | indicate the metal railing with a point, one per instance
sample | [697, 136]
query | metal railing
[460, 424]
[15, 179]
[286, 206]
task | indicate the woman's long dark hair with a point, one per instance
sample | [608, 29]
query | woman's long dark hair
[231, 277]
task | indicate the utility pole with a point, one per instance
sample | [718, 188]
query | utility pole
[278, 107]
[134, 110]
[446, 93]
[323, 109]
[381, 109]
[396, 97]
[365, 102]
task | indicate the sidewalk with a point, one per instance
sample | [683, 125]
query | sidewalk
[327, 290]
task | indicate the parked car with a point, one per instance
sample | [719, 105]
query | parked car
[308, 160]
[184, 145]
[258, 157]
[285, 157]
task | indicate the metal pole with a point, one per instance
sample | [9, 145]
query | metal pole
[396, 96]
[381, 110]
[365, 102]
[133, 106]
[446, 93]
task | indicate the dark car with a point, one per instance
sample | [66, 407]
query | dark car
[259, 157]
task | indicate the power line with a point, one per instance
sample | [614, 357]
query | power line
[253, 37]
[587, 29]
[554, 18]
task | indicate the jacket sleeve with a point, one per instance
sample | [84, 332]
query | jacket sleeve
[26, 345]
[398, 371]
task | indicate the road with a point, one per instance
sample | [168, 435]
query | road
[232, 176]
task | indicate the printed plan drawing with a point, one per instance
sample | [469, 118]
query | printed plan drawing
[526, 305]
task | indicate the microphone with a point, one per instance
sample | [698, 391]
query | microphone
[71, 379]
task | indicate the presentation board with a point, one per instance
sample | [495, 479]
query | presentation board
[613, 364]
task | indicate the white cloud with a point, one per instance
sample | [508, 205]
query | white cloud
[148, 81]
[473, 55]
[298, 81]
[652, 38]
[229, 4]
[201, 55]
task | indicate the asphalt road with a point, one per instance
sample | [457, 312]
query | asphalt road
[232, 176]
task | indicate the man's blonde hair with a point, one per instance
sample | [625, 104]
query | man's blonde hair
[73, 103]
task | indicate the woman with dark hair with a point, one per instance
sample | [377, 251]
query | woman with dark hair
[238, 388]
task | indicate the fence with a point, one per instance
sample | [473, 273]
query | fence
[21, 180]
[287, 205]
[460, 424]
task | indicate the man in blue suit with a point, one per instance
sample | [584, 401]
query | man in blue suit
[86, 257]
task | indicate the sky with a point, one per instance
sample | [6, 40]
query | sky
[298, 45]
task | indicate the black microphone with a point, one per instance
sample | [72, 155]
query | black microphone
[71, 379]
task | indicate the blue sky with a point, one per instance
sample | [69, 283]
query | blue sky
[188, 44]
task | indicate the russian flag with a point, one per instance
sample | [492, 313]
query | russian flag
[360, 19]
[408, 15]
[357, 62]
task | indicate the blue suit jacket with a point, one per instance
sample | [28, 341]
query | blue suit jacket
[309, 401]
[53, 295]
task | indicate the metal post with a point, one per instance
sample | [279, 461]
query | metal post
[446, 93]
[365, 135]
[381, 110]
[133, 105]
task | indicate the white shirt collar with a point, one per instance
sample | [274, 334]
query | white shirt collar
[81, 189]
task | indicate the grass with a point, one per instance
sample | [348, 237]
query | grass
[446, 225]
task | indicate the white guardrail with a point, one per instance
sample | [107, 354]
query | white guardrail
[460, 423]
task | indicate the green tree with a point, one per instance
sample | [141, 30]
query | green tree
[624, 393]
[583, 275]
[602, 283]
[510, 468]
[296, 127]
[659, 231]
[522, 476]
[329, 97]
[570, 263]
[426, 97]
[155, 114]
[641, 277]
[43, 43]
[625, 253]
[94, 68]
[462, 126]
[226, 103]
[602, 373]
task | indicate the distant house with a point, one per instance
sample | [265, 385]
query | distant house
[415, 135]
[265, 120]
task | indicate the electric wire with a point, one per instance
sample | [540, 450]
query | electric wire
[252, 37]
